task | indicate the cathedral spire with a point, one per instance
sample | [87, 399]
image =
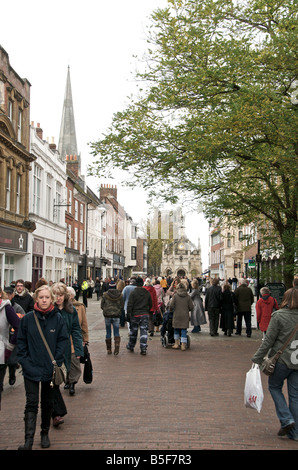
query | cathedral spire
[67, 139]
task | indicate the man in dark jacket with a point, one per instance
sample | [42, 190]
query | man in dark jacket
[244, 299]
[22, 296]
[213, 301]
[138, 309]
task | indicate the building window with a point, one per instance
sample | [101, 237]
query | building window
[69, 208]
[48, 269]
[49, 197]
[81, 241]
[18, 194]
[58, 202]
[36, 189]
[69, 236]
[58, 269]
[81, 213]
[8, 188]
[76, 238]
[76, 210]
[133, 252]
[20, 118]
[9, 110]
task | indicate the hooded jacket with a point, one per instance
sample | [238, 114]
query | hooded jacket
[264, 308]
[112, 303]
[32, 353]
[8, 318]
[181, 304]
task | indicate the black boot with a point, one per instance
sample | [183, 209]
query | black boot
[45, 426]
[30, 426]
[72, 389]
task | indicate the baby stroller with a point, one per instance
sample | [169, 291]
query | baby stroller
[167, 331]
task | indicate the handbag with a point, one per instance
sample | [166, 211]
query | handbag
[88, 369]
[268, 364]
[59, 372]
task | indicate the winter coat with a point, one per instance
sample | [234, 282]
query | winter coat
[281, 325]
[197, 315]
[70, 316]
[152, 292]
[32, 353]
[244, 298]
[8, 317]
[160, 293]
[112, 303]
[25, 300]
[126, 293]
[139, 302]
[264, 309]
[181, 304]
[213, 298]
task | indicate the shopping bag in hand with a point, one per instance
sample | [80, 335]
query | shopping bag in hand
[253, 390]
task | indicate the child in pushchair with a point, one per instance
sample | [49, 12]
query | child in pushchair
[167, 330]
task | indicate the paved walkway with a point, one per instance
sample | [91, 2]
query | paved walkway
[166, 401]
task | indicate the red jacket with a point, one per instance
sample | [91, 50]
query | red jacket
[264, 309]
[153, 296]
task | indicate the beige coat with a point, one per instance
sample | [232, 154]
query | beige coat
[181, 304]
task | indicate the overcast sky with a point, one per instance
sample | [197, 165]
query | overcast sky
[97, 39]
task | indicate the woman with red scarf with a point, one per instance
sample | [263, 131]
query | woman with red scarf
[36, 363]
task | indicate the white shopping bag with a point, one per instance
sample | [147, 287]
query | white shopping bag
[253, 389]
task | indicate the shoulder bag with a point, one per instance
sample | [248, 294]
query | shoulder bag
[59, 372]
[268, 364]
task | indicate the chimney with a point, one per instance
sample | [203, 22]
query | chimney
[39, 131]
[52, 145]
[73, 164]
[108, 191]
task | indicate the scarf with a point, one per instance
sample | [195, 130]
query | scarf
[50, 309]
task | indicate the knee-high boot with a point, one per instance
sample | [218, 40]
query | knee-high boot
[109, 345]
[30, 426]
[117, 345]
[45, 426]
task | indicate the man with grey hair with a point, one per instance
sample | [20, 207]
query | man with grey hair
[244, 299]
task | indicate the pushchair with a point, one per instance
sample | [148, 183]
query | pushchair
[167, 331]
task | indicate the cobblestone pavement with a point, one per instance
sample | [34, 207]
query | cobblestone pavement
[167, 400]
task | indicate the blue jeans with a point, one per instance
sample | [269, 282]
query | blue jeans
[109, 322]
[286, 414]
[180, 332]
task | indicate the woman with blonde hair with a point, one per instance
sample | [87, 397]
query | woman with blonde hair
[36, 363]
[70, 316]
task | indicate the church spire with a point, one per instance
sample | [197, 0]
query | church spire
[67, 139]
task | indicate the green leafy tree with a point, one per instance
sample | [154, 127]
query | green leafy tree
[216, 115]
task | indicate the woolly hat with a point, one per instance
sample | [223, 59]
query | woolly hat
[112, 285]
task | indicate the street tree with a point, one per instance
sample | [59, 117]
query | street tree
[215, 116]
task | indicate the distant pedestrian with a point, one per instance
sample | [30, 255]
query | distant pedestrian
[112, 304]
[138, 308]
[181, 306]
[244, 299]
[227, 310]
[265, 306]
[197, 317]
[23, 297]
[8, 319]
[213, 302]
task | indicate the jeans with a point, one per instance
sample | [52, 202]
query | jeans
[286, 414]
[180, 332]
[109, 322]
[135, 323]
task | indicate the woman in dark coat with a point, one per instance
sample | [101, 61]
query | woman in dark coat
[70, 316]
[227, 310]
[36, 363]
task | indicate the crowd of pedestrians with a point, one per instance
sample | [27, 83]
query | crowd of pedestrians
[142, 304]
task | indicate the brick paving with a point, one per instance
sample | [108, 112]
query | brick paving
[166, 401]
